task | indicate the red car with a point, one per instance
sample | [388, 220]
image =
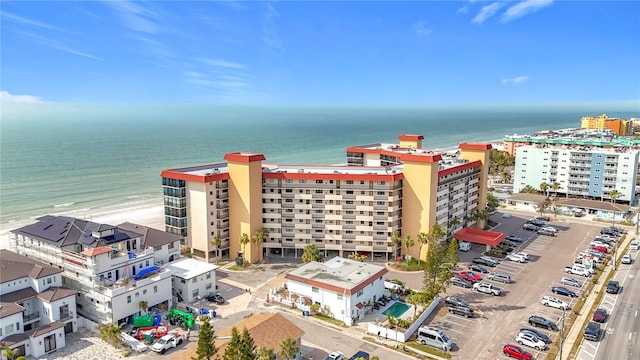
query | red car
[602, 249]
[516, 352]
[600, 315]
[469, 276]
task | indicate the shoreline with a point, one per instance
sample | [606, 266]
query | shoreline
[148, 213]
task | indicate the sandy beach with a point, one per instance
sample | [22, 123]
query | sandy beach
[148, 213]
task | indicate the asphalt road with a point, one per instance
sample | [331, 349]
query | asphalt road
[620, 338]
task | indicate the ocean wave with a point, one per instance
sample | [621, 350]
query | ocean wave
[63, 205]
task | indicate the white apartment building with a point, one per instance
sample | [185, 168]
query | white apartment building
[192, 279]
[36, 311]
[587, 171]
[342, 287]
[112, 269]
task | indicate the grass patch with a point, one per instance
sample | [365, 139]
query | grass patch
[411, 344]
[240, 267]
[428, 349]
[410, 265]
[328, 319]
[222, 262]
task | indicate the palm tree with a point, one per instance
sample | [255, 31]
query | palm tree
[260, 236]
[422, 239]
[482, 215]
[408, 242]
[143, 305]
[544, 187]
[454, 223]
[12, 354]
[614, 195]
[264, 353]
[396, 238]
[289, 348]
[506, 177]
[311, 253]
[244, 240]
[215, 241]
[555, 186]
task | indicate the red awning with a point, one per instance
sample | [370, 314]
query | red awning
[477, 236]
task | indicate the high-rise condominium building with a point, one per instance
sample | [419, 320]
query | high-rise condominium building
[342, 209]
[587, 171]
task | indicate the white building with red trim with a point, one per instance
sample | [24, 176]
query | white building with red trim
[342, 287]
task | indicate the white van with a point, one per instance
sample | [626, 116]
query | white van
[464, 246]
[434, 337]
[501, 277]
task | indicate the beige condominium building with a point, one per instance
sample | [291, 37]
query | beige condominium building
[342, 209]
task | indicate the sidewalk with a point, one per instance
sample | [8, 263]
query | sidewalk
[573, 335]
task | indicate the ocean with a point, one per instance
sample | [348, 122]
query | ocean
[64, 158]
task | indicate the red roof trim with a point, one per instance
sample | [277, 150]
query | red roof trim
[316, 176]
[478, 236]
[430, 158]
[194, 177]
[475, 146]
[455, 169]
[244, 157]
[410, 137]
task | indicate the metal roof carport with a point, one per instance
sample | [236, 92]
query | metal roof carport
[477, 236]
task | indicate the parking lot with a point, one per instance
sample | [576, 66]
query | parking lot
[499, 318]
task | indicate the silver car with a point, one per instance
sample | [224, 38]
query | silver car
[570, 281]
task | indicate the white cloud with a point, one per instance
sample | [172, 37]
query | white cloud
[223, 63]
[523, 8]
[6, 96]
[516, 80]
[486, 12]
[136, 17]
[463, 10]
[24, 21]
[420, 29]
[56, 44]
[270, 35]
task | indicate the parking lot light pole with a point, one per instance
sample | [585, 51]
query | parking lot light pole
[562, 332]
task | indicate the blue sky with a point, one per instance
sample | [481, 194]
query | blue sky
[429, 52]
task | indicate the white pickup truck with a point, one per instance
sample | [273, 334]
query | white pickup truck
[577, 270]
[167, 342]
[487, 288]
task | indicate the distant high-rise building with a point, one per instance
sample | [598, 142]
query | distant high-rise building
[619, 126]
[586, 171]
[354, 208]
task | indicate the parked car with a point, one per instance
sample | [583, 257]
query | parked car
[546, 232]
[600, 248]
[464, 246]
[469, 276]
[592, 332]
[487, 288]
[561, 290]
[539, 321]
[506, 216]
[483, 261]
[514, 238]
[554, 302]
[336, 355]
[613, 287]
[530, 227]
[536, 222]
[478, 268]
[455, 301]
[570, 281]
[600, 243]
[491, 259]
[516, 258]
[626, 259]
[460, 282]
[216, 299]
[501, 277]
[530, 340]
[634, 245]
[523, 254]
[543, 218]
[537, 333]
[600, 315]
[360, 355]
[516, 352]
[462, 311]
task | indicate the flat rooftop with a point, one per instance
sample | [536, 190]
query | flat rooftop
[189, 268]
[337, 273]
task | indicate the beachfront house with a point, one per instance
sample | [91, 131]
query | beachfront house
[192, 279]
[342, 288]
[348, 209]
[112, 269]
[166, 246]
[36, 310]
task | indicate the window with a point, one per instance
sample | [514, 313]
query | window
[171, 245]
[360, 293]
[315, 289]
[209, 275]
[49, 280]
[208, 286]
[194, 280]
[195, 293]
[128, 299]
[155, 289]
[339, 296]
[137, 294]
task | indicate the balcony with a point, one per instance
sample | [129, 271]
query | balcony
[29, 318]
